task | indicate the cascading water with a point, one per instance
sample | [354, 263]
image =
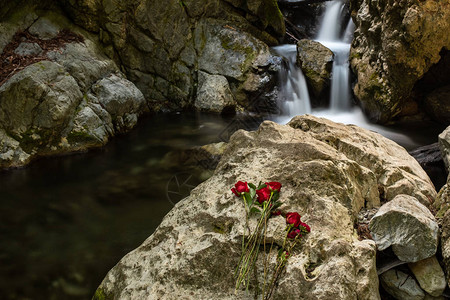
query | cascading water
[294, 96]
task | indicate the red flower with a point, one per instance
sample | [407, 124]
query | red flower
[294, 233]
[305, 226]
[239, 188]
[276, 213]
[293, 218]
[263, 194]
[274, 186]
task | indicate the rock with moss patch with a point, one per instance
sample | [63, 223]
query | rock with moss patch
[395, 43]
[316, 62]
[429, 275]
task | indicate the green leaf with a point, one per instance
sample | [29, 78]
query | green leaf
[275, 196]
[248, 199]
[276, 205]
[261, 186]
[252, 193]
[251, 185]
[255, 209]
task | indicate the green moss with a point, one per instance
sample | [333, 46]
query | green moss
[355, 55]
[99, 295]
[80, 137]
[28, 141]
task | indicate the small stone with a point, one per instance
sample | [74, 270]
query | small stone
[407, 226]
[28, 49]
[214, 93]
[430, 276]
[401, 286]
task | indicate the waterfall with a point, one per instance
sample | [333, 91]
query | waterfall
[329, 36]
[293, 95]
[293, 91]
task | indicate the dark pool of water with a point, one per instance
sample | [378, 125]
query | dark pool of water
[66, 221]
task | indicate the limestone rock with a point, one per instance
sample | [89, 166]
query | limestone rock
[407, 226]
[444, 146]
[437, 104]
[316, 62]
[401, 286]
[395, 43]
[442, 206]
[329, 172]
[430, 276]
[213, 93]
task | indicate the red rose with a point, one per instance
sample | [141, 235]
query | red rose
[305, 226]
[241, 187]
[293, 218]
[234, 191]
[294, 233]
[276, 213]
[274, 186]
[263, 194]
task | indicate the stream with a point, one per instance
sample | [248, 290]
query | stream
[66, 221]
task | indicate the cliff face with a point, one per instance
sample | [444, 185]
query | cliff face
[163, 45]
[394, 46]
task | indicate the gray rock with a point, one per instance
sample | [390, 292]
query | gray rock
[316, 62]
[42, 95]
[25, 49]
[329, 172]
[407, 226]
[444, 146]
[44, 29]
[442, 205]
[85, 62]
[213, 93]
[401, 286]
[120, 98]
[430, 276]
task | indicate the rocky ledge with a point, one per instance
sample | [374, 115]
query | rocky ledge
[330, 173]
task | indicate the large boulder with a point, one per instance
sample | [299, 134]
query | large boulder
[395, 44]
[316, 62]
[329, 173]
[430, 276]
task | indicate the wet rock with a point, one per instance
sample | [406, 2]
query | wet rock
[395, 44]
[430, 276]
[406, 225]
[316, 62]
[213, 94]
[401, 286]
[437, 104]
[444, 146]
[25, 49]
[329, 173]
[430, 159]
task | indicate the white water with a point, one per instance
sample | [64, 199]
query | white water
[294, 99]
[293, 95]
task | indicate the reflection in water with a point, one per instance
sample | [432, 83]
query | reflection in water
[66, 221]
